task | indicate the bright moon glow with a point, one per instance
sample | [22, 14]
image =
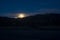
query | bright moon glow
[21, 15]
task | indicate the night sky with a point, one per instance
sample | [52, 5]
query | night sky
[10, 8]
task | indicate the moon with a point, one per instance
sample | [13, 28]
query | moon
[21, 15]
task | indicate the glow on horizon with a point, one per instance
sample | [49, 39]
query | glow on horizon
[21, 15]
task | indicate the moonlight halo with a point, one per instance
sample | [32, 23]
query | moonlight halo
[22, 15]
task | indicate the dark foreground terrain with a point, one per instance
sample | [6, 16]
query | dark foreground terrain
[32, 21]
[38, 27]
[26, 33]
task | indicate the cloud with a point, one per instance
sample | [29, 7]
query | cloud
[44, 11]
[49, 10]
[41, 11]
[11, 15]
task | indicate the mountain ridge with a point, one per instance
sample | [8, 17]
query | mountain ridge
[32, 21]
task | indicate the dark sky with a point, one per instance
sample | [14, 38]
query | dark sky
[12, 7]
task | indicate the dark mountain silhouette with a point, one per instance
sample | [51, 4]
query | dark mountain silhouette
[44, 20]
[32, 21]
[5, 21]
